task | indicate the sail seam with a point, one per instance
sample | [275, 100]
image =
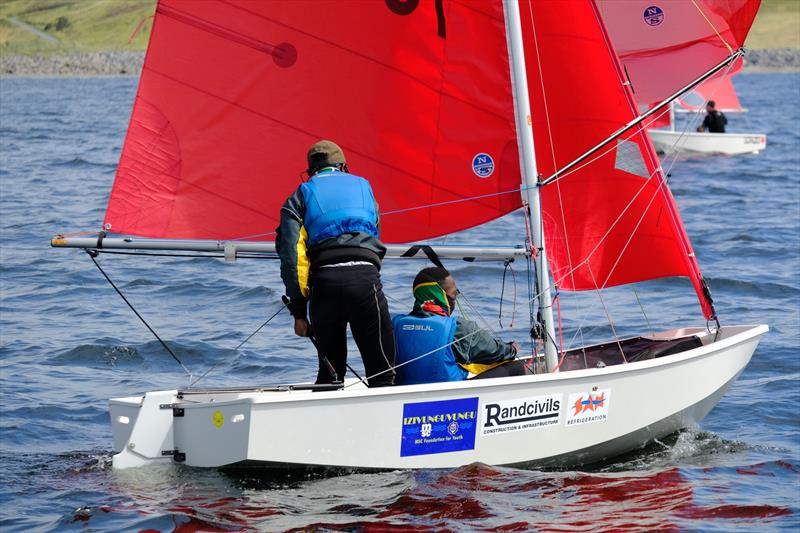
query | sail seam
[363, 56]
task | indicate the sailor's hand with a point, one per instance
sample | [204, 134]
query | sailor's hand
[515, 346]
[301, 327]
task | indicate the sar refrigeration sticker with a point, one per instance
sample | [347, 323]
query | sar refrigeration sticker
[520, 415]
[588, 407]
[439, 427]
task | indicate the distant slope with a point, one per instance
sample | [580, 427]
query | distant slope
[777, 25]
[77, 25]
[106, 25]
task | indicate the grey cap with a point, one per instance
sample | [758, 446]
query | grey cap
[324, 153]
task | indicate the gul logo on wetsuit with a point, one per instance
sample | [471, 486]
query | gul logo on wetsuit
[438, 427]
[518, 415]
[588, 407]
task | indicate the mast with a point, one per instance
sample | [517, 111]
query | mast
[530, 186]
[672, 116]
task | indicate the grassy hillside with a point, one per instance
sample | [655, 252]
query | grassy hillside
[777, 25]
[94, 25]
[78, 25]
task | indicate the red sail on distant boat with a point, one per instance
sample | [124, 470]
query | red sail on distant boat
[612, 220]
[665, 45]
[233, 92]
[719, 89]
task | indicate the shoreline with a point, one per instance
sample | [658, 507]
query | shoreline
[125, 63]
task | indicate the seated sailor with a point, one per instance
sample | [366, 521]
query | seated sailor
[442, 347]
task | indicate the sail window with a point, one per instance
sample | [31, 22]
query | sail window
[629, 159]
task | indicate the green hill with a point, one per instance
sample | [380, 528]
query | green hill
[101, 25]
[777, 25]
[73, 25]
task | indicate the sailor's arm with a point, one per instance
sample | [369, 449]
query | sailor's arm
[290, 243]
[475, 345]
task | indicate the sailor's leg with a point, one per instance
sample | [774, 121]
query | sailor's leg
[329, 327]
[372, 330]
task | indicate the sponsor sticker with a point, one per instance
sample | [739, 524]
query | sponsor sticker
[218, 418]
[483, 165]
[653, 15]
[439, 427]
[588, 407]
[521, 415]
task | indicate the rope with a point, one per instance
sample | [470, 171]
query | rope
[508, 267]
[280, 308]
[730, 49]
[92, 254]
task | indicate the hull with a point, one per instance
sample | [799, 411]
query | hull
[696, 143]
[567, 418]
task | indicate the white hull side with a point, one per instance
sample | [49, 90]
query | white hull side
[694, 143]
[363, 428]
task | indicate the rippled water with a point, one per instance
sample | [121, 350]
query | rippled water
[68, 344]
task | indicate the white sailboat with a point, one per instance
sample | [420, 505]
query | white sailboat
[671, 141]
[619, 224]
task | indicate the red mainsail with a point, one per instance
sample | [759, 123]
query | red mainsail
[233, 92]
[612, 220]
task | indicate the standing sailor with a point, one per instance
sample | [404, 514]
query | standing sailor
[330, 261]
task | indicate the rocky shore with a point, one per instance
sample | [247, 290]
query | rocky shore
[130, 63]
[73, 64]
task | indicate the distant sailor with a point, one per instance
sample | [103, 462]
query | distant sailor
[330, 261]
[715, 121]
[443, 347]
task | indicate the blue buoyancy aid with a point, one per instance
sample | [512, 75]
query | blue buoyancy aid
[415, 336]
[338, 203]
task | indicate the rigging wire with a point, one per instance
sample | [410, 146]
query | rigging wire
[649, 325]
[93, 254]
[404, 363]
[281, 307]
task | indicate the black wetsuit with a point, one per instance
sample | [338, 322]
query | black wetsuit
[715, 122]
[342, 295]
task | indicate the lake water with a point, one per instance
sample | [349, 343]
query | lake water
[68, 343]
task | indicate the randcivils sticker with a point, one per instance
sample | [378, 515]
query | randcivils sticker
[483, 165]
[522, 414]
[653, 16]
[588, 407]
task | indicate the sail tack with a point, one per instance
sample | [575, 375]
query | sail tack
[233, 92]
[611, 220]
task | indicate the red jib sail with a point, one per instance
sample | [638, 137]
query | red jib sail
[665, 45]
[233, 92]
[611, 220]
[719, 89]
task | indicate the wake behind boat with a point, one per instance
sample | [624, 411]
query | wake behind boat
[232, 92]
